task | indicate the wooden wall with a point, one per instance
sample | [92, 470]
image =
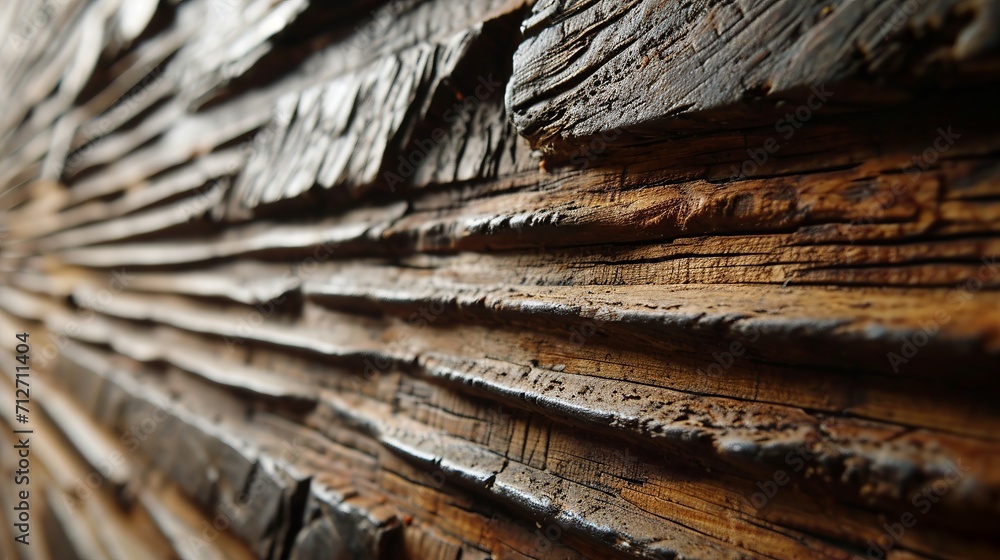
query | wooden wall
[502, 279]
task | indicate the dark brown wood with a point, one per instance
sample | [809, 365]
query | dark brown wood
[588, 69]
[503, 279]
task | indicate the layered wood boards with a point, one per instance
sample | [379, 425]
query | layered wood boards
[504, 279]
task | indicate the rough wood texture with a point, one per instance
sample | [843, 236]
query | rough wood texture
[587, 68]
[503, 279]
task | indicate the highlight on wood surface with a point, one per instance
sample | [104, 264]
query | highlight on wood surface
[300, 280]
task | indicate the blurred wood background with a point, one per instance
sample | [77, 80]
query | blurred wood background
[503, 279]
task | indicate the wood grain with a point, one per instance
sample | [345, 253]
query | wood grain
[503, 279]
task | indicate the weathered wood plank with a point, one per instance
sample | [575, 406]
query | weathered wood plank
[587, 68]
[505, 279]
